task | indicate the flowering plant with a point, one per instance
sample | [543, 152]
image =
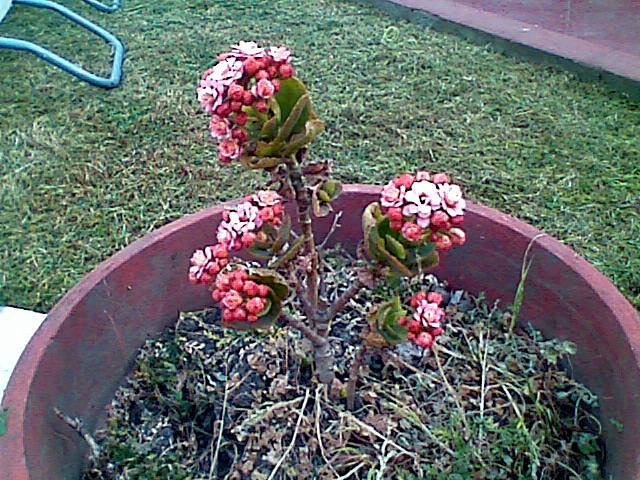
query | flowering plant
[261, 115]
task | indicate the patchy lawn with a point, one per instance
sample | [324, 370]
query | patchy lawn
[84, 172]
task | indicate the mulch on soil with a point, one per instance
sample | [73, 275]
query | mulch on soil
[205, 403]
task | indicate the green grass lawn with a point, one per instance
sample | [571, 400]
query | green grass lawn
[84, 172]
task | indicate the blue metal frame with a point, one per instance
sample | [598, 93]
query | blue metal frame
[105, 8]
[118, 58]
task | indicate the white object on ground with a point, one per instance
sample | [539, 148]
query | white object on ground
[17, 326]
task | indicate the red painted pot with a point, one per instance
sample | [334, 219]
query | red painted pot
[87, 345]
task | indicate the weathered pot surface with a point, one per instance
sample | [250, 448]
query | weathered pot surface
[86, 346]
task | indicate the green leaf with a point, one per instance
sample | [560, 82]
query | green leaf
[296, 120]
[312, 129]
[255, 162]
[333, 188]
[384, 321]
[291, 89]
[270, 128]
[395, 247]
[259, 252]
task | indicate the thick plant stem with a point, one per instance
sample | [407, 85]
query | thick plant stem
[323, 354]
[354, 372]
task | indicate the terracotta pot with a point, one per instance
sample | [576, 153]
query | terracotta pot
[87, 345]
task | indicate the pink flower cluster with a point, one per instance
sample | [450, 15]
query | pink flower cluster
[241, 299]
[244, 78]
[207, 263]
[423, 204]
[426, 323]
[240, 225]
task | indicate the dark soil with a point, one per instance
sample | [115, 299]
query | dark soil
[205, 403]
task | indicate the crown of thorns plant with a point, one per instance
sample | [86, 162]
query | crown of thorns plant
[261, 116]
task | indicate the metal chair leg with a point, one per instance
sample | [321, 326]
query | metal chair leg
[69, 67]
[105, 8]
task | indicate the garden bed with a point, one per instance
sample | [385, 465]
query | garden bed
[485, 402]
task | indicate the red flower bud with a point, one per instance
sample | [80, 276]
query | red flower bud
[251, 66]
[263, 290]
[440, 219]
[457, 235]
[240, 314]
[252, 318]
[241, 274]
[457, 220]
[224, 110]
[217, 295]
[276, 83]
[424, 340]
[235, 106]
[236, 92]
[205, 278]
[255, 305]
[262, 74]
[248, 238]
[436, 331]
[239, 134]
[272, 71]
[248, 98]
[193, 280]
[241, 118]
[444, 243]
[227, 315]
[404, 180]
[285, 70]
[261, 106]
[223, 262]
[394, 214]
[237, 284]
[440, 178]
[278, 209]
[434, 297]
[266, 214]
[219, 251]
[212, 269]
[250, 288]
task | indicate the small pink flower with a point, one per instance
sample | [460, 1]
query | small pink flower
[227, 71]
[219, 127]
[232, 300]
[224, 236]
[421, 200]
[210, 95]
[412, 232]
[200, 259]
[267, 198]
[280, 54]
[392, 196]
[429, 314]
[452, 201]
[230, 148]
[263, 89]
[248, 238]
[247, 49]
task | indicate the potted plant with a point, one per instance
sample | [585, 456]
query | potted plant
[262, 116]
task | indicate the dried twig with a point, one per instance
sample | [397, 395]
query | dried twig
[343, 300]
[214, 460]
[293, 439]
[318, 434]
[334, 226]
[77, 425]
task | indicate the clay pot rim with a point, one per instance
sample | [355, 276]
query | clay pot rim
[17, 391]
